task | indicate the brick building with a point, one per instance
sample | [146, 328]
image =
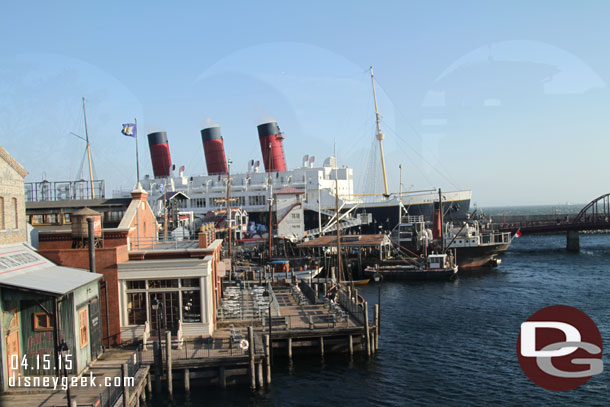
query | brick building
[12, 202]
[132, 261]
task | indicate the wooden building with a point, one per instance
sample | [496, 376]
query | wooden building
[44, 308]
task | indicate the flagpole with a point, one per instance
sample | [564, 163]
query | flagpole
[137, 156]
[137, 184]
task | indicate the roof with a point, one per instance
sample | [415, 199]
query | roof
[173, 195]
[86, 211]
[347, 241]
[79, 203]
[22, 268]
[12, 162]
[289, 191]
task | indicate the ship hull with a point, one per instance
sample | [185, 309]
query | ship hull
[385, 217]
[479, 256]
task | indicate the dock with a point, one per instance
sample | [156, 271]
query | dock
[301, 323]
[128, 378]
[241, 350]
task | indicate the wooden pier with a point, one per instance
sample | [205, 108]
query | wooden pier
[306, 324]
[114, 366]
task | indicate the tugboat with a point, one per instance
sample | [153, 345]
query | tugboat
[474, 243]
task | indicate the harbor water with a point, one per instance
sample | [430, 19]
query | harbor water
[449, 343]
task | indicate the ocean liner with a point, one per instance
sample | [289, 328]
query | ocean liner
[317, 185]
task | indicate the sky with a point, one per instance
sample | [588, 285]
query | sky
[508, 99]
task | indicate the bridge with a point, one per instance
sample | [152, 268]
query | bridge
[595, 216]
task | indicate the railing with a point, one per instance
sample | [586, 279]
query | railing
[206, 348]
[308, 292]
[148, 243]
[335, 318]
[351, 306]
[110, 395]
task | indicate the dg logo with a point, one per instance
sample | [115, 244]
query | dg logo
[560, 348]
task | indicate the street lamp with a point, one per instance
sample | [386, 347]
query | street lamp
[63, 347]
[267, 294]
[378, 278]
[157, 305]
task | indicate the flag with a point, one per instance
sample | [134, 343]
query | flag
[517, 234]
[129, 129]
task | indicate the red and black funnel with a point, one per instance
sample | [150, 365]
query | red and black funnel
[159, 154]
[269, 135]
[214, 151]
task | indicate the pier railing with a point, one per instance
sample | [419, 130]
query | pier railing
[351, 306]
[110, 395]
[206, 348]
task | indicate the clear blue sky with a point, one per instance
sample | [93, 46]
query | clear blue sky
[509, 99]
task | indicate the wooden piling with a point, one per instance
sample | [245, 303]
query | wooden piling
[376, 316]
[168, 348]
[187, 380]
[367, 332]
[321, 346]
[259, 368]
[148, 383]
[289, 345]
[267, 360]
[124, 374]
[351, 344]
[222, 377]
[158, 365]
[251, 355]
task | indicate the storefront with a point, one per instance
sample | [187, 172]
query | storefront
[167, 293]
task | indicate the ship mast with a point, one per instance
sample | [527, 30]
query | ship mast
[88, 151]
[379, 137]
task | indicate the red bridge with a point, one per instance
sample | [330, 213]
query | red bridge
[594, 216]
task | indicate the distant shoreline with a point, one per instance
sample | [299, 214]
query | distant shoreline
[565, 209]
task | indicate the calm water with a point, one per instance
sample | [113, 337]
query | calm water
[451, 343]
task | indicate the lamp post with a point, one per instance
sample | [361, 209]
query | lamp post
[157, 305]
[267, 295]
[63, 347]
[378, 278]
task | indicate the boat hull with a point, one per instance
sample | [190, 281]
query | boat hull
[480, 256]
[405, 274]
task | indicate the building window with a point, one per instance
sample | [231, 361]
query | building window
[83, 327]
[257, 200]
[37, 220]
[16, 210]
[67, 218]
[136, 308]
[1, 212]
[50, 218]
[191, 306]
[136, 284]
[162, 283]
[42, 322]
[190, 282]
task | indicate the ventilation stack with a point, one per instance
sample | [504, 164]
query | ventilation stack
[159, 154]
[269, 134]
[214, 151]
